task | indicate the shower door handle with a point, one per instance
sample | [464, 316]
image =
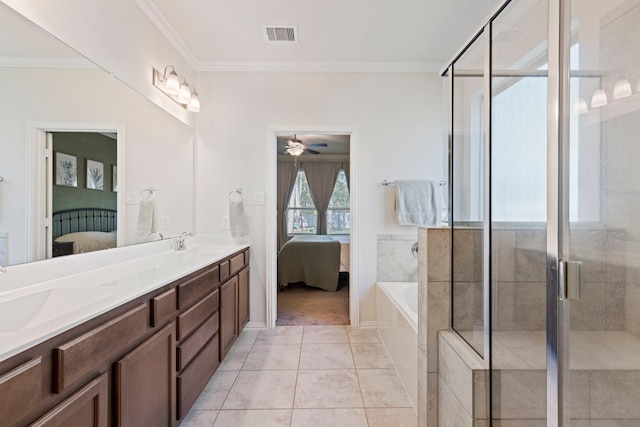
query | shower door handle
[570, 280]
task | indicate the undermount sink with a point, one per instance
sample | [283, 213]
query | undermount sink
[30, 310]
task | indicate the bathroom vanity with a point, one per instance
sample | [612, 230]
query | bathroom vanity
[129, 347]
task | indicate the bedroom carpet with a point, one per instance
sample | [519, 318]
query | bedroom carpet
[299, 304]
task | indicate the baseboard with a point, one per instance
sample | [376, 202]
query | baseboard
[369, 324]
[256, 325]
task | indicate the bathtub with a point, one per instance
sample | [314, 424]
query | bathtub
[397, 310]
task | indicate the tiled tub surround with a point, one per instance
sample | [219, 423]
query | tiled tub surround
[304, 376]
[37, 303]
[397, 314]
[396, 263]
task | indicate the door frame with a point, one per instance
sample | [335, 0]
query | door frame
[40, 179]
[271, 218]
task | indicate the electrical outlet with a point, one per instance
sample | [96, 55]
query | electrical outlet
[225, 223]
[165, 223]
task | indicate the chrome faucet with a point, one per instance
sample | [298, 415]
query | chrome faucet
[180, 244]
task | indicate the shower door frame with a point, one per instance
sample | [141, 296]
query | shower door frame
[557, 308]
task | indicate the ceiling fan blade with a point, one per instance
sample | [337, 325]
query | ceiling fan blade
[308, 150]
[317, 144]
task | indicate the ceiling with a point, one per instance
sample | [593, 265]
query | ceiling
[334, 35]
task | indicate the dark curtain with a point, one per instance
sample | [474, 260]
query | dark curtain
[322, 178]
[287, 173]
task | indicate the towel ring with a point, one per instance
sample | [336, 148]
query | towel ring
[235, 191]
[151, 191]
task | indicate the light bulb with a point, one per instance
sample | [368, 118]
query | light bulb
[172, 84]
[194, 103]
[599, 99]
[580, 107]
[184, 95]
[622, 89]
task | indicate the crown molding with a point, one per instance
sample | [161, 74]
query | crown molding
[26, 62]
[324, 67]
[162, 23]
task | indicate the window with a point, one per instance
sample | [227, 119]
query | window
[302, 213]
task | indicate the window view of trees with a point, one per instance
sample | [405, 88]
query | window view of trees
[302, 214]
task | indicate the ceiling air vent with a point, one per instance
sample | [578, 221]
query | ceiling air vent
[280, 33]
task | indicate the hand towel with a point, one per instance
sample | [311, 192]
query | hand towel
[146, 222]
[416, 203]
[236, 217]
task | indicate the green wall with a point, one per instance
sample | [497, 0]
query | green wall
[83, 145]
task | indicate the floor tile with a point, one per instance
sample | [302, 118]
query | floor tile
[254, 418]
[262, 390]
[391, 417]
[234, 359]
[382, 388]
[371, 355]
[363, 335]
[281, 335]
[199, 419]
[272, 357]
[246, 338]
[329, 334]
[214, 394]
[352, 417]
[327, 389]
[326, 356]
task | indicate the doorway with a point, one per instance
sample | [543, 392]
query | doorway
[347, 285]
[90, 172]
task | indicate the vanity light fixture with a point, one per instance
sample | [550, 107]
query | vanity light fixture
[599, 99]
[176, 88]
[622, 89]
[580, 107]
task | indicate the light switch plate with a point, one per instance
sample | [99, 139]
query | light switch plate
[225, 223]
[131, 198]
[258, 198]
[165, 223]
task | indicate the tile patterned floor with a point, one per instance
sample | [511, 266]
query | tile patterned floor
[304, 376]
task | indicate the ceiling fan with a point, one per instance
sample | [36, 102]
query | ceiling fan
[295, 147]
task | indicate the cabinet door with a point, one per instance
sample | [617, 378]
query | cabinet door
[85, 408]
[243, 298]
[228, 315]
[145, 391]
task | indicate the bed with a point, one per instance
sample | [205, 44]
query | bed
[83, 230]
[312, 259]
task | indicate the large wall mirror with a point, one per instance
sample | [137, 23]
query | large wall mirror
[73, 137]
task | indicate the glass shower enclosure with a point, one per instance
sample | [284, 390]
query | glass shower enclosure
[544, 143]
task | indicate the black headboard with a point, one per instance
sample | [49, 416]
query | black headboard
[83, 219]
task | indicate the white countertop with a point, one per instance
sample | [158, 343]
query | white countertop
[35, 307]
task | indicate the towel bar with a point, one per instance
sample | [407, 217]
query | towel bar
[387, 183]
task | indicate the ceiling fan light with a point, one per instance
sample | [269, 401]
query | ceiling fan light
[295, 150]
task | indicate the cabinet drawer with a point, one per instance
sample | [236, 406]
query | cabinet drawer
[246, 257]
[192, 346]
[190, 319]
[87, 353]
[236, 263]
[163, 307]
[197, 287]
[224, 271]
[193, 380]
[21, 391]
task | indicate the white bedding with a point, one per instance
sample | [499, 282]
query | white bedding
[88, 241]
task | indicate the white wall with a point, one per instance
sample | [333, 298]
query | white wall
[399, 118]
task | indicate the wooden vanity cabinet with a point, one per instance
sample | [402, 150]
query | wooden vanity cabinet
[143, 363]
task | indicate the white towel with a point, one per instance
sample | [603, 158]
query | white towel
[416, 203]
[146, 222]
[236, 217]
